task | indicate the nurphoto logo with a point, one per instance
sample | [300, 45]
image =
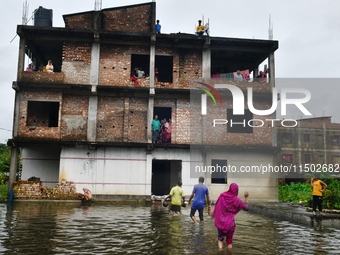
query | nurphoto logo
[239, 103]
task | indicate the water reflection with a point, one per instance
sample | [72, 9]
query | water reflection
[59, 228]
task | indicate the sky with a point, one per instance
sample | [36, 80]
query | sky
[308, 32]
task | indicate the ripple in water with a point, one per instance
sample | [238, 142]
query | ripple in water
[59, 228]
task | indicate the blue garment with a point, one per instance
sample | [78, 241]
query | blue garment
[200, 190]
[158, 28]
[156, 124]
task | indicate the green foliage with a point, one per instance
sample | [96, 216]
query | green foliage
[5, 158]
[331, 195]
[3, 192]
[2, 178]
[302, 193]
[299, 193]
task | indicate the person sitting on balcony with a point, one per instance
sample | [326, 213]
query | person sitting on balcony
[156, 75]
[238, 76]
[262, 77]
[140, 73]
[29, 68]
[134, 77]
[49, 67]
[200, 28]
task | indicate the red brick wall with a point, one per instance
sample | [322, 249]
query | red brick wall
[76, 62]
[202, 130]
[82, 21]
[42, 77]
[74, 114]
[122, 119]
[110, 119]
[135, 19]
[35, 190]
[115, 64]
[188, 68]
[40, 132]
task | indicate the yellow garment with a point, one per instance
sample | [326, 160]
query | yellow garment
[199, 29]
[317, 187]
[176, 195]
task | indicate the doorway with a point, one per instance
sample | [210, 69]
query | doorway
[162, 112]
[165, 175]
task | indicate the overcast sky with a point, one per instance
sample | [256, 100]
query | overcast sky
[308, 32]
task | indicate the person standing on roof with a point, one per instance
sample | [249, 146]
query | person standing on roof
[158, 27]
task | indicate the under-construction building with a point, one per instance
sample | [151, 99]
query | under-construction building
[89, 123]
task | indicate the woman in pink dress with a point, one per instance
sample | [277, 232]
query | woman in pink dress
[227, 206]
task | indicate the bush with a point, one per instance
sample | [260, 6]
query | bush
[2, 178]
[3, 192]
[301, 193]
[331, 196]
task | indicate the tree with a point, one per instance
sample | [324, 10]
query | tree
[5, 161]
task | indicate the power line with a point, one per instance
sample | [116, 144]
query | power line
[6, 129]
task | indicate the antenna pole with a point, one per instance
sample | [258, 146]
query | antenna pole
[270, 29]
[25, 13]
[98, 5]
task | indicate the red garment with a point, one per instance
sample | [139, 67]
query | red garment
[227, 206]
[135, 80]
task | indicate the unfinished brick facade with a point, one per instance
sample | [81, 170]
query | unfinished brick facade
[93, 110]
[314, 141]
[122, 116]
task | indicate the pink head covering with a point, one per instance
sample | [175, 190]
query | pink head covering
[227, 206]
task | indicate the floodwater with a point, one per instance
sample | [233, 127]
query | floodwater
[62, 228]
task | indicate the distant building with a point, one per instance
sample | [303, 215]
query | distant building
[89, 123]
[314, 142]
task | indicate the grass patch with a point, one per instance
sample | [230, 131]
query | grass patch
[3, 192]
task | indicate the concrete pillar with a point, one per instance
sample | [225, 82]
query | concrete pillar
[299, 138]
[13, 166]
[255, 72]
[152, 61]
[16, 117]
[150, 118]
[272, 69]
[126, 124]
[148, 174]
[93, 99]
[271, 61]
[92, 118]
[206, 63]
[324, 131]
[94, 68]
[21, 58]
[152, 88]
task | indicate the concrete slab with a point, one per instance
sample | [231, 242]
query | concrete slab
[294, 213]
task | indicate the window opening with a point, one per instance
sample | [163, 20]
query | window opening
[163, 67]
[220, 173]
[42, 114]
[287, 138]
[306, 138]
[287, 158]
[165, 131]
[239, 123]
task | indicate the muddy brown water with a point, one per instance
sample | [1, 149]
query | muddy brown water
[61, 228]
